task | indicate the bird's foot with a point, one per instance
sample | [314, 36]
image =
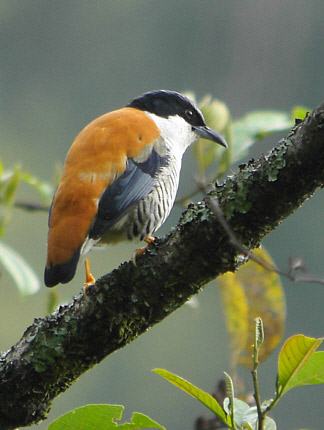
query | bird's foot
[90, 280]
[140, 251]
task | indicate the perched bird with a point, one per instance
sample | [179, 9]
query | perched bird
[120, 178]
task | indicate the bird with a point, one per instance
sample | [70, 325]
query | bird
[120, 178]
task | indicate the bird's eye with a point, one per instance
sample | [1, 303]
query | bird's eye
[189, 113]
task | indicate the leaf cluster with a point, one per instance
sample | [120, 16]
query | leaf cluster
[20, 271]
[299, 364]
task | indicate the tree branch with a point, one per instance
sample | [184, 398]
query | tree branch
[54, 351]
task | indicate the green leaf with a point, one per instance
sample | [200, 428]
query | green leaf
[218, 117]
[44, 189]
[240, 408]
[298, 365]
[89, 417]
[205, 398]
[8, 186]
[250, 418]
[12, 179]
[229, 386]
[269, 424]
[299, 112]
[256, 125]
[140, 421]
[52, 300]
[229, 401]
[101, 417]
[23, 275]
[313, 371]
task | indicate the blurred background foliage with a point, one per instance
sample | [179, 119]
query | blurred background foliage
[65, 63]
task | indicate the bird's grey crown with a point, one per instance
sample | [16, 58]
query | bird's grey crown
[169, 103]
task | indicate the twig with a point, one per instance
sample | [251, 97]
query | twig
[31, 207]
[295, 264]
[258, 340]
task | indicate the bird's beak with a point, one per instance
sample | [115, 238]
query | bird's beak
[210, 134]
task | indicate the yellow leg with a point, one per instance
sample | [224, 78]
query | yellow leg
[90, 280]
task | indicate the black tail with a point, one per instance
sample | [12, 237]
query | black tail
[61, 273]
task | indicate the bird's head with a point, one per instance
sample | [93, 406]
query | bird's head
[179, 119]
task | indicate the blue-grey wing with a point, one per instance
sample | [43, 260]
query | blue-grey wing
[125, 192]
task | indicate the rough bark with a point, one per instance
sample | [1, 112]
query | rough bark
[54, 351]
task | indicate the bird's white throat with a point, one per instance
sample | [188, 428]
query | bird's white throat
[176, 132]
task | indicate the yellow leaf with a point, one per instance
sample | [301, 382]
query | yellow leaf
[236, 313]
[262, 296]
